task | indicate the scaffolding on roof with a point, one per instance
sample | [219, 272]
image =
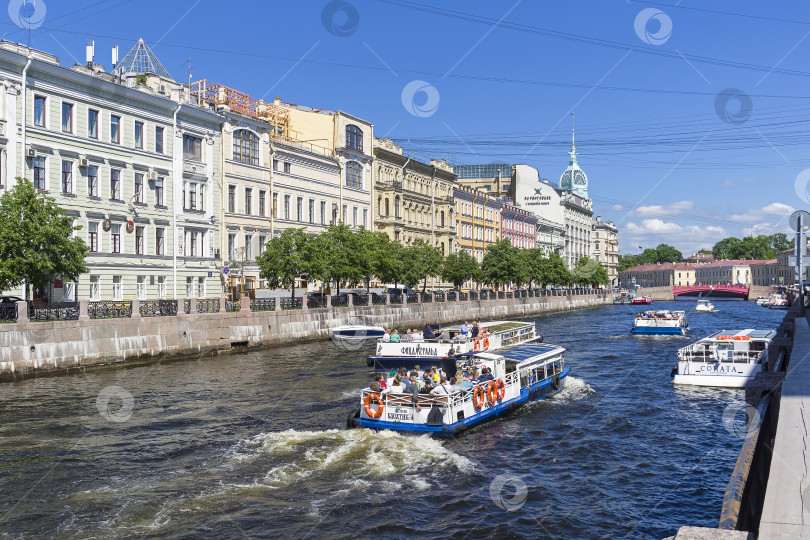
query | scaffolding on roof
[240, 102]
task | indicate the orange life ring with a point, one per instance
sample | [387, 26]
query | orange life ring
[477, 344]
[479, 395]
[501, 389]
[492, 392]
[367, 405]
[486, 343]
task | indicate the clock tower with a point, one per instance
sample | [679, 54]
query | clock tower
[574, 179]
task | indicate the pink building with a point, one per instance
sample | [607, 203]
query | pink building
[519, 226]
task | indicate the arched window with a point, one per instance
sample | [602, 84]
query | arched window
[245, 147]
[354, 175]
[354, 137]
[387, 213]
[396, 206]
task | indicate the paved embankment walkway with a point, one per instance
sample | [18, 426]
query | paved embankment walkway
[786, 512]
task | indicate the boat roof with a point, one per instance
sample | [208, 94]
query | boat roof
[495, 324]
[750, 332]
[524, 352]
[704, 301]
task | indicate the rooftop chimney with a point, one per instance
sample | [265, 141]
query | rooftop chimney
[277, 100]
[90, 53]
[114, 56]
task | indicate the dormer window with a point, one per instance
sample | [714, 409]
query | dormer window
[354, 137]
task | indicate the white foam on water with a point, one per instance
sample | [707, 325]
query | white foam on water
[575, 389]
[351, 393]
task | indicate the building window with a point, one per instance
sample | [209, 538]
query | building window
[67, 177]
[345, 214]
[160, 235]
[92, 181]
[262, 244]
[161, 283]
[115, 129]
[92, 236]
[275, 205]
[387, 208]
[39, 173]
[92, 124]
[189, 287]
[286, 207]
[441, 222]
[70, 291]
[159, 192]
[140, 290]
[248, 200]
[138, 134]
[275, 164]
[118, 288]
[311, 211]
[138, 187]
[354, 137]
[158, 139]
[323, 212]
[354, 216]
[262, 203]
[192, 148]
[139, 240]
[95, 290]
[287, 167]
[334, 213]
[67, 117]
[39, 111]
[201, 287]
[354, 175]
[365, 218]
[299, 207]
[245, 147]
[190, 202]
[248, 247]
[115, 184]
[232, 247]
[115, 238]
[193, 239]
[396, 207]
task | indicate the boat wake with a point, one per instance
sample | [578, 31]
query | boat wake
[574, 390]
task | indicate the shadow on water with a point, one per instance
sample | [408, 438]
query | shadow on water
[255, 444]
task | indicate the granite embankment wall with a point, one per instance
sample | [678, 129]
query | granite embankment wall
[54, 347]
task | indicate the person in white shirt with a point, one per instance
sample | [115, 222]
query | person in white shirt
[443, 388]
[386, 336]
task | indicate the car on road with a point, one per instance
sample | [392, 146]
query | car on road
[10, 299]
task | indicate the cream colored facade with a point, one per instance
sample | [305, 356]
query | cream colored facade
[478, 221]
[414, 200]
[605, 247]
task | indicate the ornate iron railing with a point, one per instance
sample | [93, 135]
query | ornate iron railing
[66, 311]
[396, 298]
[438, 296]
[8, 312]
[464, 296]
[427, 297]
[109, 309]
[316, 302]
[473, 295]
[291, 303]
[501, 295]
[158, 308]
[207, 305]
[263, 304]
[452, 296]
[378, 299]
[233, 305]
[340, 300]
[510, 294]
[412, 298]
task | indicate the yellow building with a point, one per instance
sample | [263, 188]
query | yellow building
[478, 220]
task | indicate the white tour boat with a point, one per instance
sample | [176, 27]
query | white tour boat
[522, 373]
[728, 358]
[662, 322]
[492, 336]
[763, 301]
[779, 302]
[705, 305]
[357, 329]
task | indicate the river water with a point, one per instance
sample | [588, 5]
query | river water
[255, 445]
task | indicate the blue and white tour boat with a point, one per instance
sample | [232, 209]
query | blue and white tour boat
[522, 373]
[728, 358]
[425, 353]
[357, 330]
[663, 322]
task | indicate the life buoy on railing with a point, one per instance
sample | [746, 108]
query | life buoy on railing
[367, 405]
[477, 344]
[479, 397]
[501, 389]
[486, 343]
[493, 394]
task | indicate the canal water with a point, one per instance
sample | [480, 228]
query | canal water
[255, 445]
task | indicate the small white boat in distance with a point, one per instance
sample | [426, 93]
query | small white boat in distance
[663, 322]
[763, 301]
[705, 305]
[728, 358]
[357, 330]
[779, 303]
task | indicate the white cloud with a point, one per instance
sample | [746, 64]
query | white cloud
[766, 212]
[655, 209]
[654, 231]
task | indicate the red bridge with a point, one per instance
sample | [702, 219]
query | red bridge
[708, 290]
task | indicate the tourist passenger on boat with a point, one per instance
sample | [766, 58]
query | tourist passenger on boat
[435, 374]
[428, 382]
[444, 336]
[375, 387]
[443, 388]
[386, 336]
[474, 331]
[416, 335]
[427, 333]
[465, 328]
[396, 387]
[412, 387]
[486, 375]
[395, 336]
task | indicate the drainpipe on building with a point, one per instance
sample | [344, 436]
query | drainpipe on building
[272, 193]
[24, 115]
[174, 206]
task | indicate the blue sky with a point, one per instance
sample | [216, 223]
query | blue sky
[670, 156]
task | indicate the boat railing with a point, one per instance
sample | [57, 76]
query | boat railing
[742, 357]
[455, 399]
